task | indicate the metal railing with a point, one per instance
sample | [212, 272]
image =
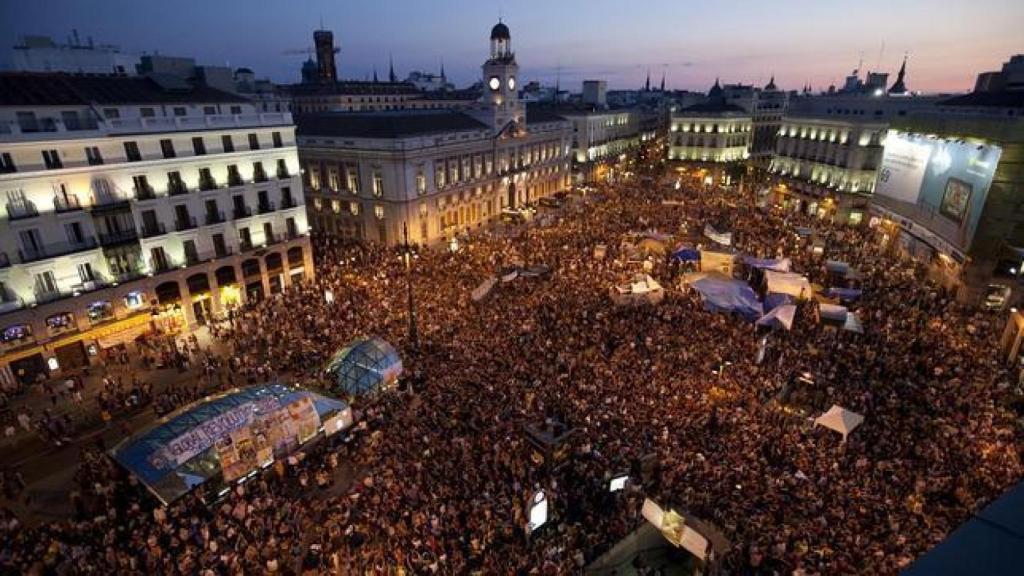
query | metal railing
[214, 218]
[181, 224]
[150, 230]
[118, 237]
[56, 249]
[265, 207]
[176, 188]
[207, 184]
[241, 212]
[21, 210]
[66, 203]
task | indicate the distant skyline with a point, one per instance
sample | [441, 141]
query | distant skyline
[799, 41]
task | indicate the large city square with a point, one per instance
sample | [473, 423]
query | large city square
[400, 327]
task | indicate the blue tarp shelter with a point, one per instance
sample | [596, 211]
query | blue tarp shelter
[179, 451]
[990, 543]
[844, 294]
[729, 295]
[780, 264]
[773, 300]
[686, 255]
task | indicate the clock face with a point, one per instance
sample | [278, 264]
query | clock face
[511, 83]
[494, 83]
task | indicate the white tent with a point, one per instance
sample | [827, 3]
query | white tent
[641, 290]
[779, 317]
[484, 289]
[839, 419]
[790, 283]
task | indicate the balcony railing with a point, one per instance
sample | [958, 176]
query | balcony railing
[245, 245]
[222, 252]
[283, 173]
[235, 180]
[109, 201]
[55, 250]
[160, 265]
[287, 203]
[265, 207]
[214, 218]
[74, 124]
[181, 224]
[242, 212]
[118, 237]
[207, 184]
[44, 296]
[66, 203]
[272, 238]
[176, 188]
[259, 176]
[150, 230]
[21, 210]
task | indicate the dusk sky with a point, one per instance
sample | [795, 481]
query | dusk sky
[693, 42]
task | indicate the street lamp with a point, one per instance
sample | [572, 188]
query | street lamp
[413, 333]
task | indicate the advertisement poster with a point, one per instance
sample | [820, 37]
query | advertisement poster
[305, 419]
[955, 199]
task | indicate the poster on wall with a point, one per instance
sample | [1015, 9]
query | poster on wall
[955, 199]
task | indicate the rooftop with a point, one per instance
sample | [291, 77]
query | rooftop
[392, 124]
[540, 114]
[55, 89]
[1005, 99]
[354, 87]
[715, 107]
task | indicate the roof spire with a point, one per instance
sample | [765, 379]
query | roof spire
[391, 69]
[662, 80]
[647, 85]
[442, 70]
[900, 87]
[375, 74]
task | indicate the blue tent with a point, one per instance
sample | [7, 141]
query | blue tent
[844, 294]
[781, 264]
[179, 451]
[773, 300]
[686, 255]
[728, 295]
[989, 543]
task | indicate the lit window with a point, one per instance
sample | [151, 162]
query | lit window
[378, 184]
[421, 182]
[378, 211]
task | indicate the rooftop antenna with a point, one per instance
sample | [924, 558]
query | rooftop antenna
[881, 50]
[860, 63]
[558, 76]
[321, 20]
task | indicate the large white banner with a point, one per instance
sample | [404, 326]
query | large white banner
[903, 166]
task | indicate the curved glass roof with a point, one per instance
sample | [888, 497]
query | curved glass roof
[364, 366]
[241, 428]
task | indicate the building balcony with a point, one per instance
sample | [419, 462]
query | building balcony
[66, 204]
[283, 174]
[155, 229]
[44, 296]
[223, 252]
[161, 265]
[235, 180]
[55, 250]
[265, 207]
[245, 245]
[182, 224]
[21, 210]
[109, 202]
[288, 203]
[214, 218]
[144, 193]
[118, 237]
[241, 212]
[207, 184]
[260, 177]
[176, 189]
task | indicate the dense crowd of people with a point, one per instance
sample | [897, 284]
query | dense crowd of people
[443, 474]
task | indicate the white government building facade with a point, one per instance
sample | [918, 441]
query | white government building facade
[371, 175]
[129, 205]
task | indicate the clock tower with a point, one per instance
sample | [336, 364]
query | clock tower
[501, 82]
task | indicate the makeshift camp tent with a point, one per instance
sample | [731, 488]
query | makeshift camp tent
[779, 317]
[773, 301]
[778, 265]
[729, 295]
[723, 261]
[484, 289]
[651, 247]
[844, 294]
[364, 366]
[723, 238]
[600, 251]
[840, 420]
[839, 317]
[789, 283]
[686, 254]
[642, 290]
[224, 438]
[535, 271]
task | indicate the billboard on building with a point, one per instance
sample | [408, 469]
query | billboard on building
[939, 183]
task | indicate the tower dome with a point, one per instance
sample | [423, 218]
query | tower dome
[500, 32]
